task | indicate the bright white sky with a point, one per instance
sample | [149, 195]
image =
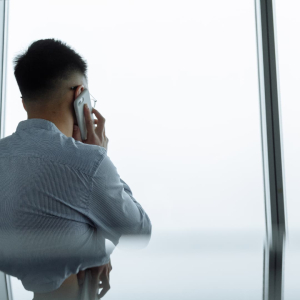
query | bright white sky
[177, 84]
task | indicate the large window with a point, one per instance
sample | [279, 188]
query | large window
[177, 83]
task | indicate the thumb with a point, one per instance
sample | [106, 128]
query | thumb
[80, 277]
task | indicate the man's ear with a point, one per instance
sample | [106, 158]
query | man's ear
[79, 90]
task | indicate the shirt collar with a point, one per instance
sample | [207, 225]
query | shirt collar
[37, 123]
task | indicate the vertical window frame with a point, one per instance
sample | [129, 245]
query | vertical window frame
[5, 290]
[272, 149]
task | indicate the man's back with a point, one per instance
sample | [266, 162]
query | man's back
[60, 199]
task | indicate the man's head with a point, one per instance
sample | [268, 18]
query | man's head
[45, 73]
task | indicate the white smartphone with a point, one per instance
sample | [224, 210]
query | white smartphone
[79, 102]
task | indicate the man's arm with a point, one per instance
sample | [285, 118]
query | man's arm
[113, 208]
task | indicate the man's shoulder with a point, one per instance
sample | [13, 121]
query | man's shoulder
[85, 157]
[58, 150]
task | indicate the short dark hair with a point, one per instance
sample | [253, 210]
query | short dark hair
[40, 68]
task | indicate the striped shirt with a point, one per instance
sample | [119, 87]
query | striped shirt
[60, 201]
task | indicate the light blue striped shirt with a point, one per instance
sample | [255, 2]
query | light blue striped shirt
[59, 200]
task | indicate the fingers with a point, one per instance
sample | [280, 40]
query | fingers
[100, 129]
[105, 285]
[104, 136]
[88, 120]
[76, 133]
[101, 122]
[104, 278]
[98, 115]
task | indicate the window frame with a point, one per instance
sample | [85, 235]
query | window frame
[5, 285]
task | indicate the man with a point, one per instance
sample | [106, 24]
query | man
[61, 197]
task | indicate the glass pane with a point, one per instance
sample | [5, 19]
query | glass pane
[177, 84]
[288, 25]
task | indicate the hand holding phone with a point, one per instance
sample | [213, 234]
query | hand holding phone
[94, 135]
[82, 99]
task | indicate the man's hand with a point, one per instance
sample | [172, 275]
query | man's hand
[95, 135]
[98, 274]
[76, 131]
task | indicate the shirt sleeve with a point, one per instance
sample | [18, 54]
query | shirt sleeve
[112, 207]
